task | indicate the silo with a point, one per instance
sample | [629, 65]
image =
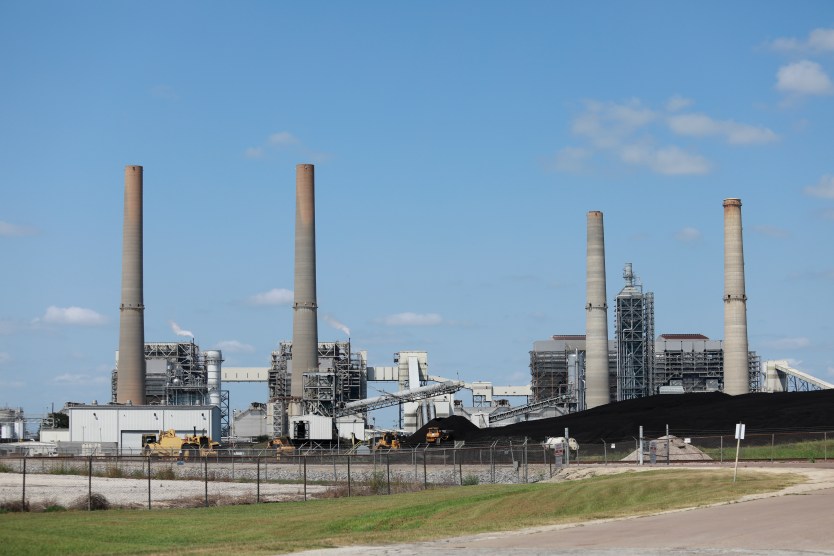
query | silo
[305, 324]
[214, 358]
[130, 387]
[736, 379]
[597, 391]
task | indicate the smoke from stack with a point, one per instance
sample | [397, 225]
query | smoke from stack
[130, 386]
[305, 324]
[736, 380]
[596, 317]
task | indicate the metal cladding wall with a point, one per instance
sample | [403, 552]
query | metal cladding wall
[126, 424]
[305, 326]
[736, 379]
[597, 390]
[131, 366]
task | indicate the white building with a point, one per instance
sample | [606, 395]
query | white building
[125, 424]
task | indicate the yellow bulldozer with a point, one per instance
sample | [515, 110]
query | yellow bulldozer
[168, 444]
[436, 435]
[282, 446]
[389, 441]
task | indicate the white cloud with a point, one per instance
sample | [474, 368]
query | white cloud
[337, 325]
[72, 316]
[688, 235]
[700, 125]
[413, 319]
[235, 346]
[789, 343]
[254, 152]
[804, 78]
[608, 124]
[278, 141]
[179, 331]
[819, 40]
[569, 159]
[282, 139]
[823, 189]
[677, 102]
[275, 296]
[671, 161]
[80, 379]
[8, 229]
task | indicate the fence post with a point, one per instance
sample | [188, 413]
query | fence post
[667, 446]
[348, 462]
[721, 449]
[388, 470]
[23, 500]
[460, 469]
[90, 484]
[258, 480]
[205, 475]
[149, 481]
[425, 472]
[772, 445]
[825, 446]
[305, 477]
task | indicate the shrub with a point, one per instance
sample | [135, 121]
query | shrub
[6, 468]
[165, 474]
[13, 506]
[470, 480]
[95, 501]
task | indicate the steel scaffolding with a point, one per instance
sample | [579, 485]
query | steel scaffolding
[342, 379]
[634, 336]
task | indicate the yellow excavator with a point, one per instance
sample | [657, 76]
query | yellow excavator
[168, 444]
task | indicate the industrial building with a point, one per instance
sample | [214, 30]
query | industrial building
[180, 374]
[318, 391]
[12, 424]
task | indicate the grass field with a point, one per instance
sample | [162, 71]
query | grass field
[427, 515]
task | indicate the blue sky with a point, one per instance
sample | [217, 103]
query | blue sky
[458, 148]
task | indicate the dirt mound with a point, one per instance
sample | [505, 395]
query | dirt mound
[711, 413]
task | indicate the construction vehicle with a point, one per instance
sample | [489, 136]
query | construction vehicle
[436, 435]
[282, 446]
[389, 440]
[168, 444]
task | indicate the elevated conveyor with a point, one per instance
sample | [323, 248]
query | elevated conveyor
[781, 377]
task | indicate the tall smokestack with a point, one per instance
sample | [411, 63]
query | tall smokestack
[736, 380]
[130, 386]
[596, 317]
[305, 325]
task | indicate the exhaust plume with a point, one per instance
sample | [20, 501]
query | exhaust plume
[337, 325]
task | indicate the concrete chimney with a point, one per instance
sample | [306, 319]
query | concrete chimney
[305, 325]
[736, 380]
[596, 317]
[130, 386]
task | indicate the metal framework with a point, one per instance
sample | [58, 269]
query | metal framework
[394, 398]
[561, 402]
[695, 363]
[342, 379]
[634, 335]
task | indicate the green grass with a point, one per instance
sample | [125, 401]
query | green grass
[428, 515]
[810, 450]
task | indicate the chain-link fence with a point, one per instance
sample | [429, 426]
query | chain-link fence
[241, 477]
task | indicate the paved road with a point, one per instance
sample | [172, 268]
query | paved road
[801, 521]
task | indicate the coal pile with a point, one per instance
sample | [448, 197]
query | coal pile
[702, 414]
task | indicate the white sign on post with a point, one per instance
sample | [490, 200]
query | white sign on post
[739, 437]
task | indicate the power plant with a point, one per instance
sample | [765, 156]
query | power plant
[317, 392]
